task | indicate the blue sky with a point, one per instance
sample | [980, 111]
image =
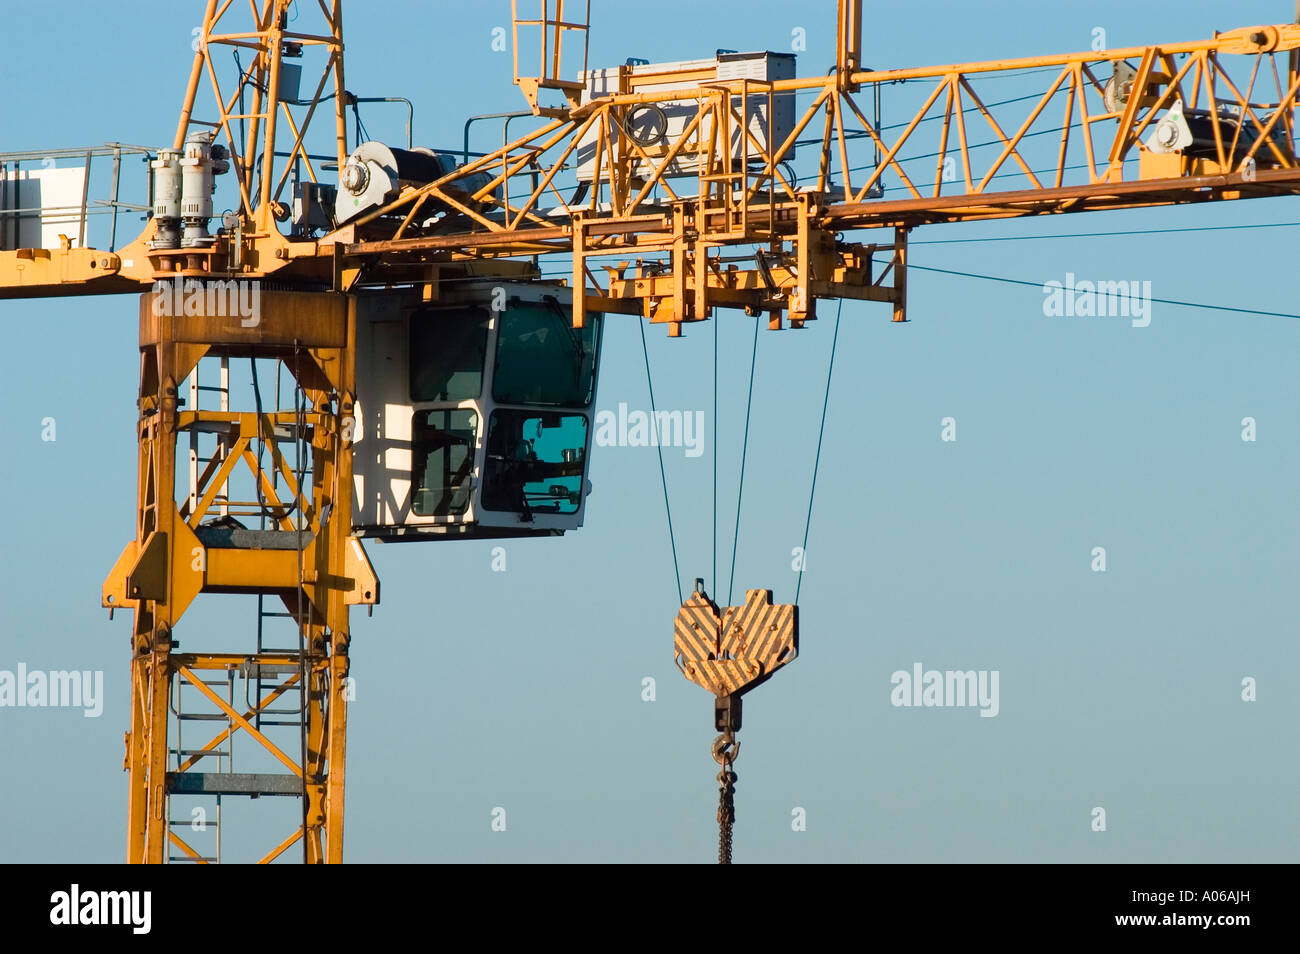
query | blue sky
[479, 689]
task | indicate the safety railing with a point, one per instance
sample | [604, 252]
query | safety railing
[44, 193]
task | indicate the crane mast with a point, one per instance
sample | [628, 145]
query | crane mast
[666, 192]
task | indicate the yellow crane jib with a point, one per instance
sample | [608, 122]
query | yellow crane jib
[442, 389]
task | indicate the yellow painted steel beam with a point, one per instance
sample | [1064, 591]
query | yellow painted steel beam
[1102, 196]
[1277, 38]
[250, 571]
[35, 267]
[176, 840]
[220, 661]
[216, 740]
[281, 848]
[524, 233]
[166, 567]
[240, 721]
[679, 276]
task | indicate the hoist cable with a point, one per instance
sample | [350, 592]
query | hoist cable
[713, 580]
[663, 476]
[1059, 235]
[803, 552]
[744, 453]
[1160, 301]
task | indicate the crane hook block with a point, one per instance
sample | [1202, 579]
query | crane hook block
[732, 650]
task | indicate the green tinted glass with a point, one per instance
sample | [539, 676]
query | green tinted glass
[448, 352]
[542, 359]
[535, 462]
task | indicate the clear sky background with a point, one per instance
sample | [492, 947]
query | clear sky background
[523, 689]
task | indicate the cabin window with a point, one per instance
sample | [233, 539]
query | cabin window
[448, 352]
[442, 452]
[541, 358]
[535, 462]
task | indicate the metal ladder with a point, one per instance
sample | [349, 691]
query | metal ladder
[178, 754]
[222, 448]
[206, 778]
[298, 712]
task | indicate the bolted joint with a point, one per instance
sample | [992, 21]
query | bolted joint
[162, 642]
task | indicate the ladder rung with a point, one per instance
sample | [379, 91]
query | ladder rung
[203, 716]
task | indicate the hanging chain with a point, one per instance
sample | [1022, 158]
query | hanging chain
[725, 751]
[726, 810]
[729, 652]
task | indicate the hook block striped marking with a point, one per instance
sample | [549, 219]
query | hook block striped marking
[731, 651]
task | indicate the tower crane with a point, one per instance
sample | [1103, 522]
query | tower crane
[442, 387]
